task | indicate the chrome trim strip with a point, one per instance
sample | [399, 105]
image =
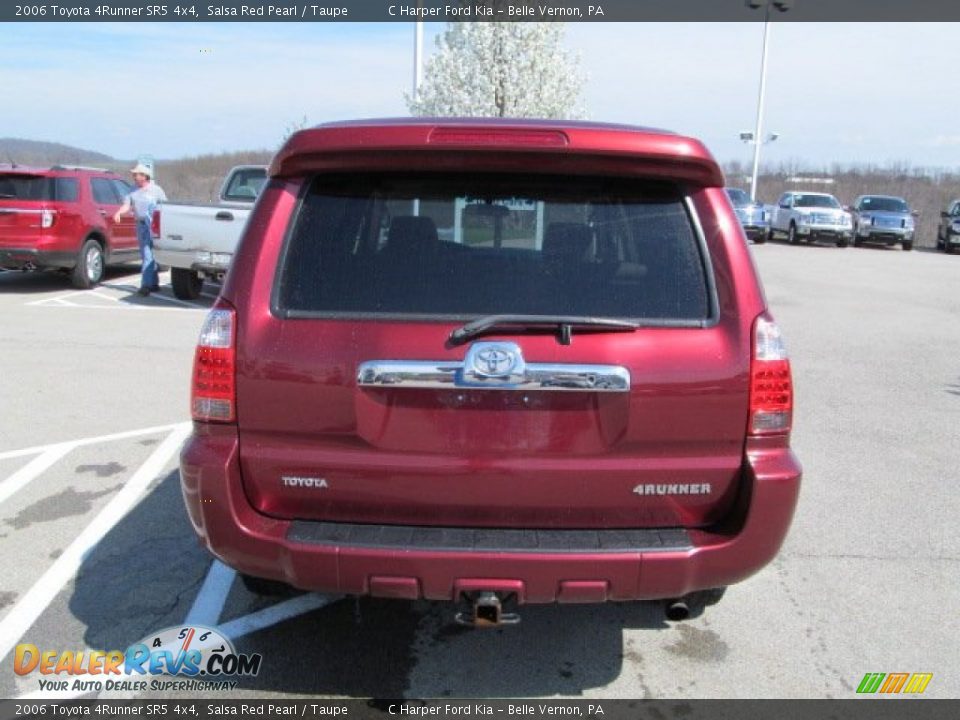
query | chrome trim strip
[425, 374]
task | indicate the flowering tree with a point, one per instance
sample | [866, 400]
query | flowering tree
[501, 69]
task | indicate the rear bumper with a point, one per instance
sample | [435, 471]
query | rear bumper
[591, 566]
[210, 264]
[20, 257]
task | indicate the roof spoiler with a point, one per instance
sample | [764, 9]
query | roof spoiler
[547, 148]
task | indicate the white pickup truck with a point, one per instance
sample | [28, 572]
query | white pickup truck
[197, 240]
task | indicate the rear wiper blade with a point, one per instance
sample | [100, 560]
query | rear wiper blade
[563, 323]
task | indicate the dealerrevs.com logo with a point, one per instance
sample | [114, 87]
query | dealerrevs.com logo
[199, 657]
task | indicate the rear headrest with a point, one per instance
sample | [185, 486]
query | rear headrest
[567, 240]
[410, 232]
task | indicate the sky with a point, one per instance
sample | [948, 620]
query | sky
[853, 94]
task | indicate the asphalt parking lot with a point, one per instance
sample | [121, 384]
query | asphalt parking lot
[97, 551]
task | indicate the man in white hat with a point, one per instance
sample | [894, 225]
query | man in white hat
[143, 202]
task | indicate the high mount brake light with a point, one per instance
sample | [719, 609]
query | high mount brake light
[771, 382]
[498, 136]
[213, 390]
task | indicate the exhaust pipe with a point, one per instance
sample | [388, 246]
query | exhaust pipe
[487, 611]
[677, 610]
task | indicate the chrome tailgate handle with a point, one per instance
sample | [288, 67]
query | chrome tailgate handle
[493, 366]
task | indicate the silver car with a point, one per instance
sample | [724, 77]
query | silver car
[883, 219]
[811, 216]
[753, 216]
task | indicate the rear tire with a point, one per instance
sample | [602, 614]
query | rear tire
[187, 284]
[792, 235]
[842, 242]
[760, 239]
[908, 246]
[266, 588]
[89, 268]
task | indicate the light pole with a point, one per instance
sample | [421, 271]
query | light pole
[417, 77]
[750, 139]
[417, 59]
[782, 6]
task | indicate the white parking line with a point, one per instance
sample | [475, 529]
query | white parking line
[209, 602]
[33, 603]
[7, 454]
[275, 614]
[32, 469]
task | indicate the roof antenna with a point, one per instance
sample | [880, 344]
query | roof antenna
[13, 163]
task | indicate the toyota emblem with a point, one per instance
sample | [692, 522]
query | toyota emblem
[494, 361]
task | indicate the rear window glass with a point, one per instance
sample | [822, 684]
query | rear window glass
[246, 184]
[37, 187]
[461, 246]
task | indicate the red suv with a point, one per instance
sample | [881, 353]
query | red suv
[62, 217]
[496, 362]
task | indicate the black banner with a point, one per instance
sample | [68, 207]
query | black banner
[878, 709]
[481, 10]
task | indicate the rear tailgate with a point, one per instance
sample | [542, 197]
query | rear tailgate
[364, 281]
[23, 199]
[212, 228]
[667, 453]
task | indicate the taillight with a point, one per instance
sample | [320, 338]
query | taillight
[213, 392]
[47, 218]
[771, 384]
[155, 224]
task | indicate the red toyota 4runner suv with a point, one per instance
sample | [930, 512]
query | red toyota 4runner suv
[62, 217]
[496, 362]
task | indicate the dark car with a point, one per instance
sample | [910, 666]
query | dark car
[948, 231]
[495, 363]
[883, 219]
[62, 218]
[753, 216]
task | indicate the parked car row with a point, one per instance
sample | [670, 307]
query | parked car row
[814, 216]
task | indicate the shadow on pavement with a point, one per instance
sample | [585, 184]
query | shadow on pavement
[45, 281]
[147, 571]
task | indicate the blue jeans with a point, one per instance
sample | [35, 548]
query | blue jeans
[149, 277]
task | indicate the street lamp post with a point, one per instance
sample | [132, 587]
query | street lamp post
[782, 6]
[750, 138]
[417, 78]
[417, 59]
